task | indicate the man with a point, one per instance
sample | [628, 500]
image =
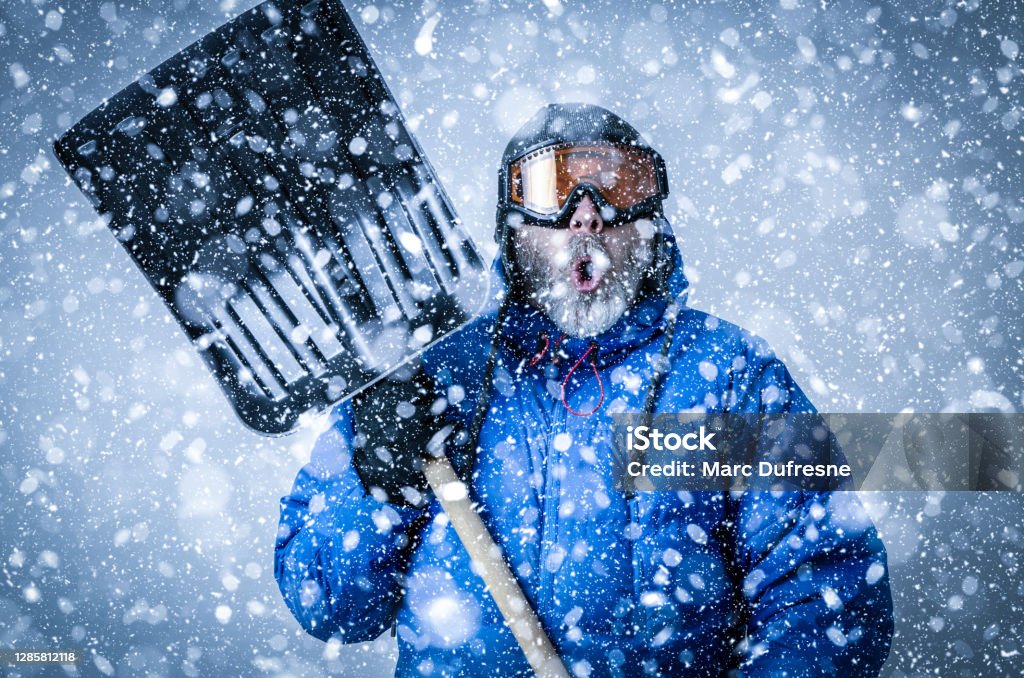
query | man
[592, 321]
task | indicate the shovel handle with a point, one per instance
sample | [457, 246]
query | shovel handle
[487, 557]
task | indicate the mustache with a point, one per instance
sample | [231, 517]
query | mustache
[639, 254]
[581, 246]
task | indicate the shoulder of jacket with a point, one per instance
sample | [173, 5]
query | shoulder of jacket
[698, 330]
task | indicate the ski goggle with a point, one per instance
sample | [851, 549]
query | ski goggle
[628, 179]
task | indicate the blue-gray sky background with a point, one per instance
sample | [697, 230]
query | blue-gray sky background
[846, 182]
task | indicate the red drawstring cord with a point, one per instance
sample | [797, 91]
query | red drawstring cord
[542, 350]
[557, 344]
[597, 375]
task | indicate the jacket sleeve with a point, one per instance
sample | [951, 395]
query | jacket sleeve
[340, 553]
[812, 568]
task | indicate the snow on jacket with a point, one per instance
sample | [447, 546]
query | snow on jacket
[660, 583]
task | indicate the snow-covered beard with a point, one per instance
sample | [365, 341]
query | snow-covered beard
[548, 277]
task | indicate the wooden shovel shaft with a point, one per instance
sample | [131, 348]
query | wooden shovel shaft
[487, 557]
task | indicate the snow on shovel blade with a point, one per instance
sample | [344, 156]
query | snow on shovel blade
[264, 181]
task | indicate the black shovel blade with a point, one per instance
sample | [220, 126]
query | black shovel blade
[265, 182]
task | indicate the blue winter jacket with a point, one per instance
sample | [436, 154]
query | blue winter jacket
[661, 583]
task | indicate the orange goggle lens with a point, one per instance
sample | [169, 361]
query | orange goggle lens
[542, 181]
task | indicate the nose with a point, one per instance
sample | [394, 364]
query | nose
[586, 218]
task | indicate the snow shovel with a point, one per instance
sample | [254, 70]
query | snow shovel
[265, 183]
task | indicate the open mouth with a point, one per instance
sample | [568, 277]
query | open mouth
[585, 278]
